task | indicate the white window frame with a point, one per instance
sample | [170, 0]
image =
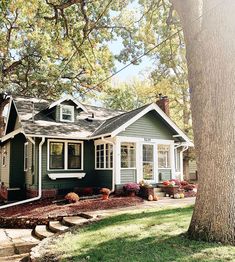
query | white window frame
[26, 155]
[105, 151]
[61, 113]
[66, 142]
[128, 142]
[169, 160]
[4, 156]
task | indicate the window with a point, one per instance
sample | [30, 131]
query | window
[67, 113]
[163, 156]
[74, 156]
[104, 156]
[26, 146]
[128, 155]
[148, 165]
[56, 155]
[4, 156]
[65, 155]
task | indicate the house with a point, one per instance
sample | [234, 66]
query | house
[52, 147]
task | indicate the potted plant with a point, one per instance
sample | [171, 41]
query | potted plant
[72, 197]
[131, 189]
[170, 187]
[146, 189]
[105, 193]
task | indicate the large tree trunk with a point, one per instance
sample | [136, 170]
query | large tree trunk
[210, 44]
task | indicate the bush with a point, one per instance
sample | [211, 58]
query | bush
[72, 197]
[176, 181]
[131, 187]
[184, 183]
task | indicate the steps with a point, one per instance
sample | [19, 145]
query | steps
[159, 193]
[15, 258]
[42, 231]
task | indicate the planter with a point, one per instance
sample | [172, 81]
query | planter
[105, 197]
[145, 192]
[170, 190]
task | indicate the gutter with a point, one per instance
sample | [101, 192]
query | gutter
[39, 181]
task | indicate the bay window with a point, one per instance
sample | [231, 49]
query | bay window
[128, 155]
[104, 156]
[65, 155]
[164, 156]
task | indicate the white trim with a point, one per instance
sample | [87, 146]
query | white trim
[26, 145]
[8, 115]
[72, 113]
[155, 107]
[54, 176]
[68, 98]
[104, 143]
[66, 142]
[12, 134]
[59, 137]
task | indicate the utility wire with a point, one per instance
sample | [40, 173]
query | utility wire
[147, 52]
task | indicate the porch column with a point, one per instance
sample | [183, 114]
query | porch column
[172, 160]
[117, 162]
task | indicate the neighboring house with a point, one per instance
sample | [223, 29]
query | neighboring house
[56, 146]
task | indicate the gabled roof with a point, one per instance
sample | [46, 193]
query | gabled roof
[68, 98]
[115, 125]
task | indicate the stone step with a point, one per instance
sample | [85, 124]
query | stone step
[75, 221]
[7, 250]
[15, 258]
[42, 232]
[160, 194]
[56, 226]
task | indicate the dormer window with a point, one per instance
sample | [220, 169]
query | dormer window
[66, 113]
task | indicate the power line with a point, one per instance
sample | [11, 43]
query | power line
[149, 51]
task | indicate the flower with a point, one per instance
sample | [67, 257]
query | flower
[131, 187]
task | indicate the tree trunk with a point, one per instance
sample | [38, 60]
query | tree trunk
[210, 45]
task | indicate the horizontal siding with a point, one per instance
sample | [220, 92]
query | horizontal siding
[70, 183]
[164, 174]
[5, 170]
[149, 126]
[103, 178]
[192, 166]
[128, 175]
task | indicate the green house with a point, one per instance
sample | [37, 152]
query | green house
[52, 147]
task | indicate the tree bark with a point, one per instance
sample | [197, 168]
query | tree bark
[210, 45]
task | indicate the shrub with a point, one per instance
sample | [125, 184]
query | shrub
[131, 187]
[189, 187]
[176, 181]
[184, 183]
[72, 197]
[105, 191]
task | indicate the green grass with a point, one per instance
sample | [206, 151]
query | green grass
[155, 235]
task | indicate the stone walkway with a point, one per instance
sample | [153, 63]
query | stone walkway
[17, 243]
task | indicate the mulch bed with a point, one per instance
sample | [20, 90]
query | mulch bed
[41, 212]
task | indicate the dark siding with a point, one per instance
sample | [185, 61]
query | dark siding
[17, 176]
[70, 183]
[103, 178]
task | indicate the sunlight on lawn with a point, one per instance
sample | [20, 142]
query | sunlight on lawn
[156, 235]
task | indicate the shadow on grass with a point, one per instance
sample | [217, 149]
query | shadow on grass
[164, 215]
[176, 248]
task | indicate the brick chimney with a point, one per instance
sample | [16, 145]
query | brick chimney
[163, 103]
[4, 100]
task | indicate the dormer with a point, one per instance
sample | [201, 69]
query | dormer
[67, 108]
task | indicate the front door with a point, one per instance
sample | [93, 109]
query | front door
[148, 163]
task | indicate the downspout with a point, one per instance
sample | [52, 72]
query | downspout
[39, 181]
[110, 142]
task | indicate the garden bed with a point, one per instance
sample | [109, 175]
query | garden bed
[41, 212]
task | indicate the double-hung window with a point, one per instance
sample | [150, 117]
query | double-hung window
[26, 149]
[128, 155]
[104, 156]
[65, 155]
[164, 156]
[66, 113]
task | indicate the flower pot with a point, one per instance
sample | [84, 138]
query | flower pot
[105, 197]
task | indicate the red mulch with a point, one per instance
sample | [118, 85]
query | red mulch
[45, 210]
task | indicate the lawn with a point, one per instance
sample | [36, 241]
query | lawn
[154, 235]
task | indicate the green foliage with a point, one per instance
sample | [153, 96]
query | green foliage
[150, 235]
